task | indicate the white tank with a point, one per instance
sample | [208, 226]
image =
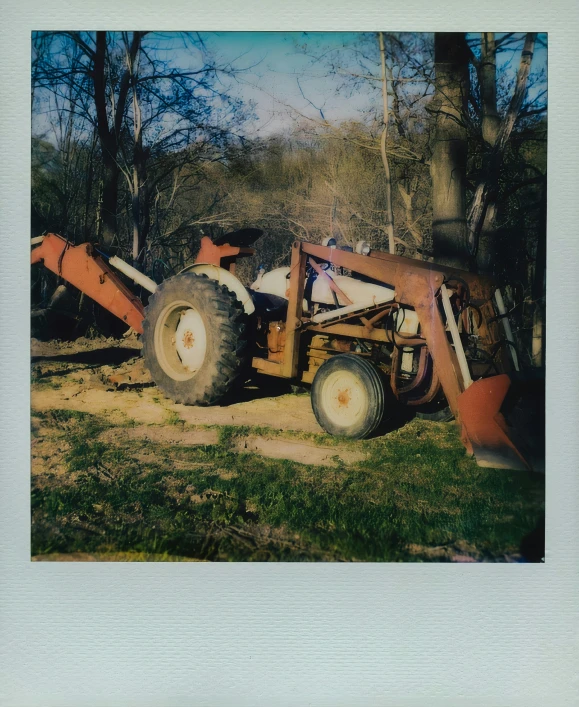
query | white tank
[356, 291]
[276, 282]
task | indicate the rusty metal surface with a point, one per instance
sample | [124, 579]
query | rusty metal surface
[297, 285]
[88, 273]
[356, 331]
[415, 283]
[221, 255]
[402, 392]
[419, 289]
[418, 378]
[485, 431]
[271, 368]
[430, 394]
[332, 284]
[391, 269]
[276, 341]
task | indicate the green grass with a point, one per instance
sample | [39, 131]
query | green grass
[416, 489]
[173, 418]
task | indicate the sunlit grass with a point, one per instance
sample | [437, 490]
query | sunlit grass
[415, 489]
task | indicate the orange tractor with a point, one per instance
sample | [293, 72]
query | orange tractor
[369, 331]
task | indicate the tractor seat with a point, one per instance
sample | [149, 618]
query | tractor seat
[269, 307]
[243, 238]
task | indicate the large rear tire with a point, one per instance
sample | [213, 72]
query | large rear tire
[348, 396]
[194, 339]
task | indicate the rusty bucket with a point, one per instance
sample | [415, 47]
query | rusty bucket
[485, 430]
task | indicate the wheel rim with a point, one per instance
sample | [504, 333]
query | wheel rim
[344, 399]
[180, 340]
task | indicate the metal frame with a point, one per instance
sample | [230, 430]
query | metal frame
[88, 272]
[417, 284]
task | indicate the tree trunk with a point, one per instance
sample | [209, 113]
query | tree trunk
[138, 194]
[388, 191]
[108, 144]
[109, 199]
[487, 75]
[487, 184]
[411, 223]
[89, 187]
[135, 213]
[491, 123]
[145, 202]
[140, 202]
[109, 135]
[448, 164]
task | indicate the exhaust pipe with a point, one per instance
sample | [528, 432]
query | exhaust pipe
[133, 273]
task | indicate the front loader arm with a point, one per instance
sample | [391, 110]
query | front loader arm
[88, 272]
[416, 284]
[475, 405]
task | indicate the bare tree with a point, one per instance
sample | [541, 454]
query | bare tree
[384, 136]
[487, 77]
[400, 66]
[142, 108]
[449, 155]
[482, 210]
[109, 121]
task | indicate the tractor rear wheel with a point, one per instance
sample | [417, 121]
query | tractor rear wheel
[194, 339]
[348, 396]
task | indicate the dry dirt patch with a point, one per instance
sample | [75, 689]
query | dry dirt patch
[65, 380]
[284, 412]
[161, 435]
[278, 448]
[273, 448]
[49, 349]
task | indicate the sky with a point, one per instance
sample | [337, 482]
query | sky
[277, 61]
[284, 82]
[274, 62]
[273, 82]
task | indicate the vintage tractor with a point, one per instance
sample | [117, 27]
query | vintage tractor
[369, 331]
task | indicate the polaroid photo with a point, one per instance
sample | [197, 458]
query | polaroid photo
[280, 355]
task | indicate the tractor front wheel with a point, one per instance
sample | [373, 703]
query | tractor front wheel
[348, 396]
[194, 339]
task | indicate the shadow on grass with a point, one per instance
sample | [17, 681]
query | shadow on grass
[416, 490]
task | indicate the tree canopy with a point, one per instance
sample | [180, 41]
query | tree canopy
[146, 141]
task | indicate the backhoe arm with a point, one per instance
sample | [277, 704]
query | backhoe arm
[88, 272]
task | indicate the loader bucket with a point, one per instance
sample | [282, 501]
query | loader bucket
[485, 431]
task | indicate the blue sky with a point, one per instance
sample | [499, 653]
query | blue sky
[274, 63]
[283, 81]
[279, 62]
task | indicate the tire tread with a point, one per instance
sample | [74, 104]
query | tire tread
[226, 357]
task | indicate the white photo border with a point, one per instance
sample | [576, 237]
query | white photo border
[282, 634]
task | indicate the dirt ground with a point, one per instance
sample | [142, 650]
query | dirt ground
[106, 377]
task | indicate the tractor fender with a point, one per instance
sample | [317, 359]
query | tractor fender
[224, 277]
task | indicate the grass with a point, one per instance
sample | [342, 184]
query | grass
[173, 418]
[415, 491]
